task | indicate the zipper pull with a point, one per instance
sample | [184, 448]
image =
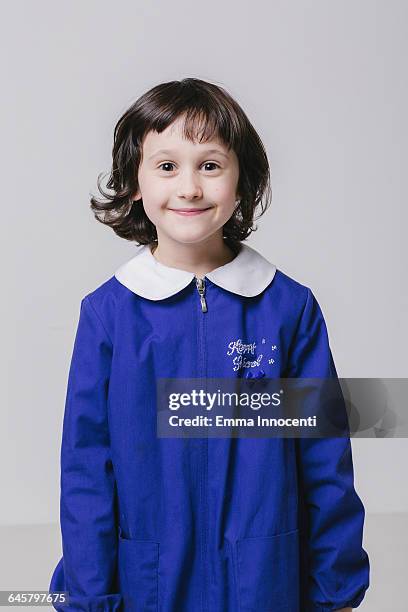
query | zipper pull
[201, 290]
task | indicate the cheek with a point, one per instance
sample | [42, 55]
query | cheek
[154, 196]
[227, 211]
[224, 197]
[224, 191]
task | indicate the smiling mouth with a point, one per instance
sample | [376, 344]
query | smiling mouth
[190, 211]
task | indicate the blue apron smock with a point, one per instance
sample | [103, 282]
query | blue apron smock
[200, 525]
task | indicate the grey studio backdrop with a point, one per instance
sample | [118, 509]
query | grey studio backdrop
[325, 85]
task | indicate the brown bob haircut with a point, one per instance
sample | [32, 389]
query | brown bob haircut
[209, 112]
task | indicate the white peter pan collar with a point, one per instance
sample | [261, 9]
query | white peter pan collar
[248, 274]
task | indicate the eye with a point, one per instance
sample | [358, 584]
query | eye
[166, 164]
[211, 164]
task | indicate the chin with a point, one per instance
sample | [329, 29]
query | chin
[191, 237]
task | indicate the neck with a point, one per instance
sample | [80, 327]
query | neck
[199, 258]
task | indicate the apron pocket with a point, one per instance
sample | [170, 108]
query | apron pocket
[138, 566]
[268, 573]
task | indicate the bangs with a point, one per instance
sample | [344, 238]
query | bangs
[209, 114]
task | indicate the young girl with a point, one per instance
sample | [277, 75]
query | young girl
[197, 525]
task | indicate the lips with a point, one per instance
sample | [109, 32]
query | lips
[190, 211]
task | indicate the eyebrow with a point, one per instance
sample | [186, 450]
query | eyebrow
[170, 152]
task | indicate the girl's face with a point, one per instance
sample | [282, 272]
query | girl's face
[188, 189]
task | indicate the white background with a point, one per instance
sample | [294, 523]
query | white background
[323, 82]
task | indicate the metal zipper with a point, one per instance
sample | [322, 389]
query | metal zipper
[200, 283]
[202, 367]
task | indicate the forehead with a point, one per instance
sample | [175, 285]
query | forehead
[173, 139]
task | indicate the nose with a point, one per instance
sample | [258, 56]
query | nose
[189, 186]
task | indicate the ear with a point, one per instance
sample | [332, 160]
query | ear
[137, 195]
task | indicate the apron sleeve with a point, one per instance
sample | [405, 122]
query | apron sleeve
[87, 569]
[337, 564]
